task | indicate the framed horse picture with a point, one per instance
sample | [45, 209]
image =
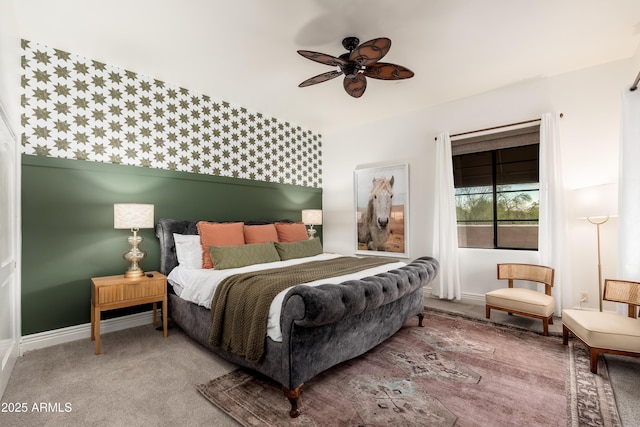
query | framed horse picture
[382, 210]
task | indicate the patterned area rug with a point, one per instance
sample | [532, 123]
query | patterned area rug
[454, 371]
[590, 397]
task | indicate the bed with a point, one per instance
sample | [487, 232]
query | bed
[319, 325]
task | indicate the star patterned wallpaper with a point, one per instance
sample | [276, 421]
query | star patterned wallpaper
[78, 108]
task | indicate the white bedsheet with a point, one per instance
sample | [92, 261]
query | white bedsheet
[198, 286]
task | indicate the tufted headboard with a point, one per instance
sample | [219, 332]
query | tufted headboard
[164, 231]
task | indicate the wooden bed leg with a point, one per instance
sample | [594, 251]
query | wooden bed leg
[420, 319]
[294, 398]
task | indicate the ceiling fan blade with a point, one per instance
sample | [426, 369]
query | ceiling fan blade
[372, 51]
[322, 58]
[355, 86]
[320, 78]
[386, 71]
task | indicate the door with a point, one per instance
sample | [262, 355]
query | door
[9, 243]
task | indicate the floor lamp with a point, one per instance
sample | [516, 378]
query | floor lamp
[597, 204]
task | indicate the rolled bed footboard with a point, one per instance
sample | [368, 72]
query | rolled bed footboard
[329, 324]
[327, 304]
[312, 350]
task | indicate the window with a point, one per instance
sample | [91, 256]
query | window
[496, 180]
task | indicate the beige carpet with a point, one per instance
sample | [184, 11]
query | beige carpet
[455, 371]
[140, 379]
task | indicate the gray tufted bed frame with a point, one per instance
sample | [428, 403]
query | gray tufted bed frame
[321, 326]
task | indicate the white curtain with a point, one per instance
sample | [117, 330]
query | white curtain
[553, 228]
[629, 188]
[445, 230]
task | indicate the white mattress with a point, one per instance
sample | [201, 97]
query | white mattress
[198, 286]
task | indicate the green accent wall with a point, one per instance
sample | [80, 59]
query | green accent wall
[67, 224]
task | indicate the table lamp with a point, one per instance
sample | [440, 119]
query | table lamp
[133, 216]
[312, 217]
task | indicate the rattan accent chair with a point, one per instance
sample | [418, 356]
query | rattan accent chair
[524, 301]
[607, 332]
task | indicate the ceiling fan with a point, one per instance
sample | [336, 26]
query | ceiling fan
[359, 63]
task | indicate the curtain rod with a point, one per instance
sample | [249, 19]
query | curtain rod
[634, 86]
[497, 127]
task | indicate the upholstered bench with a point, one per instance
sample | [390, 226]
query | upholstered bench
[607, 332]
[523, 301]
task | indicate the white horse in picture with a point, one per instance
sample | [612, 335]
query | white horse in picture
[374, 229]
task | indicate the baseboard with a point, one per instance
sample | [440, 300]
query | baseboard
[78, 332]
[465, 297]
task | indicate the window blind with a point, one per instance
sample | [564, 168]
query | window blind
[494, 141]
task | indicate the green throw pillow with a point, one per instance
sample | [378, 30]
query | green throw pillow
[235, 256]
[299, 249]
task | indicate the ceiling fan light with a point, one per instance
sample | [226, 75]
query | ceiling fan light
[350, 70]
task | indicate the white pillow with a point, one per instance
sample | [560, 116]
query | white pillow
[188, 250]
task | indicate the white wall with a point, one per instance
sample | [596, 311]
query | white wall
[590, 102]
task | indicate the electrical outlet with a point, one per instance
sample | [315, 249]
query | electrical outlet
[584, 296]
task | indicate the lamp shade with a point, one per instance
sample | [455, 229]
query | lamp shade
[132, 215]
[596, 202]
[312, 216]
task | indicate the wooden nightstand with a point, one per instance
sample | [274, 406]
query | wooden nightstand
[110, 292]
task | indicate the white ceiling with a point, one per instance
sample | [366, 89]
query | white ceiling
[244, 51]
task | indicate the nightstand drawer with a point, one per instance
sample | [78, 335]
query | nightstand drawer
[129, 291]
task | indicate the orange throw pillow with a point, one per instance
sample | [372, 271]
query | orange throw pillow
[291, 232]
[218, 234]
[260, 233]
